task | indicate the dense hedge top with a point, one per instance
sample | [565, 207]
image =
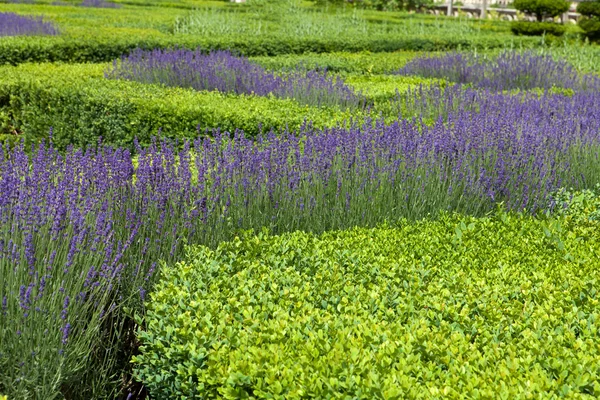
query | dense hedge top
[503, 307]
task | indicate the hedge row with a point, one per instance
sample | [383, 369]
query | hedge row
[499, 307]
[102, 48]
[82, 106]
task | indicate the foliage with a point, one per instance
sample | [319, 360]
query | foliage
[470, 304]
[382, 5]
[103, 48]
[542, 8]
[590, 23]
[589, 8]
[365, 63]
[529, 28]
[590, 27]
[578, 205]
[82, 107]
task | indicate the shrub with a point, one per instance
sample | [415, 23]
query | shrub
[529, 28]
[542, 8]
[222, 71]
[589, 8]
[107, 47]
[590, 23]
[467, 303]
[13, 25]
[577, 205]
[591, 27]
[82, 107]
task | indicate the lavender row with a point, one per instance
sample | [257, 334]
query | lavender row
[510, 70]
[13, 25]
[99, 4]
[222, 71]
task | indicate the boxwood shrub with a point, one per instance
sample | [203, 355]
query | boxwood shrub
[81, 106]
[529, 28]
[500, 307]
[106, 47]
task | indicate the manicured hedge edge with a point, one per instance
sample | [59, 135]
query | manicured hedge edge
[499, 307]
[101, 48]
[82, 106]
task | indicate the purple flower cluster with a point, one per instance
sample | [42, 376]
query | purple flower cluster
[222, 71]
[99, 4]
[14, 25]
[510, 70]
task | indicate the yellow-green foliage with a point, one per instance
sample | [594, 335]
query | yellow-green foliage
[385, 87]
[578, 206]
[502, 307]
[81, 106]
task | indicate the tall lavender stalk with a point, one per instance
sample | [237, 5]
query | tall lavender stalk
[14, 25]
[510, 70]
[222, 71]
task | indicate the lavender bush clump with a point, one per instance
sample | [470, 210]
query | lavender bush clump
[99, 4]
[13, 25]
[222, 71]
[510, 70]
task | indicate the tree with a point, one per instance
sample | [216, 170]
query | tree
[542, 8]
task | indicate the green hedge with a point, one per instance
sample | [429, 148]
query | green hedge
[366, 63]
[102, 48]
[537, 28]
[81, 106]
[500, 307]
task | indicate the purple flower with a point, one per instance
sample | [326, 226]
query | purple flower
[65, 333]
[63, 314]
[222, 71]
[14, 25]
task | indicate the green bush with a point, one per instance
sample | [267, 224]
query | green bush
[501, 307]
[17, 50]
[590, 27]
[542, 8]
[590, 23]
[579, 206]
[589, 8]
[366, 63]
[82, 106]
[528, 28]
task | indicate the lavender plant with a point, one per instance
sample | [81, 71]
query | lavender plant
[81, 232]
[222, 71]
[99, 4]
[510, 70]
[13, 25]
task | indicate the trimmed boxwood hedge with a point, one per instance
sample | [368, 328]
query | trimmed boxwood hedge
[103, 47]
[500, 307]
[81, 106]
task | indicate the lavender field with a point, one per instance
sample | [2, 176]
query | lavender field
[172, 168]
